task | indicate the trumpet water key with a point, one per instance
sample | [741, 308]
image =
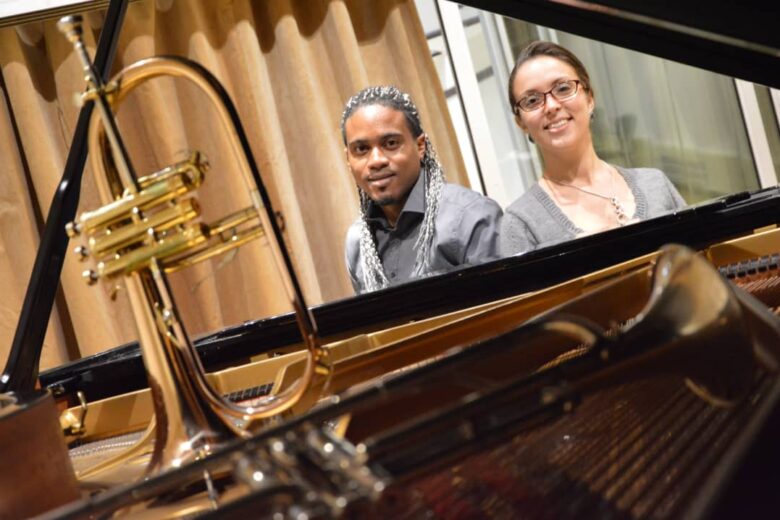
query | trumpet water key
[151, 225]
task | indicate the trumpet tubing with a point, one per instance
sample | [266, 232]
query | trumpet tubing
[151, 225]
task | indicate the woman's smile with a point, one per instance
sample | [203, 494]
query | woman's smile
[558, 125]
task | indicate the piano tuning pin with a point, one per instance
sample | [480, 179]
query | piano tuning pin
[82, 252]
[114, 292]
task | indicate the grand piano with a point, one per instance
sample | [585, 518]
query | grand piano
[735, 231]
[745, 47]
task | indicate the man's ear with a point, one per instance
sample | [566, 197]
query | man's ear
[421, 145]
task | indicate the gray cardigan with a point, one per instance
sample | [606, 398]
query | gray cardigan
[535, 220]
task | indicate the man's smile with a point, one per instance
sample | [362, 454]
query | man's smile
[380, 180]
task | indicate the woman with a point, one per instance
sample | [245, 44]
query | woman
[578, 194]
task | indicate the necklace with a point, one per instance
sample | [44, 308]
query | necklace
[617, 206]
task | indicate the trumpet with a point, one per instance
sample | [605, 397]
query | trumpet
[150, 226]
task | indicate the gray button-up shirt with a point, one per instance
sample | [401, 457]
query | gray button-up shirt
[467, 227]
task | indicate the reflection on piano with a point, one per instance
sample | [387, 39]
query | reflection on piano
[640, 447]
[650, 418]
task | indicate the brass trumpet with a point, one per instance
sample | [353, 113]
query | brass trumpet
[149, 226]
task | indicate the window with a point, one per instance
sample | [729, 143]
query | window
[711, 134]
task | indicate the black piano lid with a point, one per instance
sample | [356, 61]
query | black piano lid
[739, 39]
[736, 39]
[120, 369]
[742, 479]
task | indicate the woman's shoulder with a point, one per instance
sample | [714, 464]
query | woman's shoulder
[647, 180]
[528, 203]
[644, 176]
[462, 197]
[657, 192]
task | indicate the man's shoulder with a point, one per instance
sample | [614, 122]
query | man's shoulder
[461, 197]
[354, 229]
[352, 240]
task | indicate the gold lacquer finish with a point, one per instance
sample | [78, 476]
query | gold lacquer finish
[167, 188]
[151, 225]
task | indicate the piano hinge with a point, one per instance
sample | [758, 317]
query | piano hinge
[751, 267]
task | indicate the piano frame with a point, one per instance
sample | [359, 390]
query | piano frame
[741, 42]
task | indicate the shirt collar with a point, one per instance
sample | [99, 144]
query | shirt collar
[415, 203]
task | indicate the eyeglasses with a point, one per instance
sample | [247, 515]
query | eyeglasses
[561, 92]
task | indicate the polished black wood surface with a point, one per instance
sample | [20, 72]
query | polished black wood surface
[745, 474]
[121, 370]
[736, 39]
[631, 407]
[740, 40]
[21, 370]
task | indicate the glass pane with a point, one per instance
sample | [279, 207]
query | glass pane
[443, 63]
[661, 114]
[517, 160]
[650, 112]
[770, 119]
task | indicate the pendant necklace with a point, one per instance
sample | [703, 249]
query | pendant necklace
[617, 206]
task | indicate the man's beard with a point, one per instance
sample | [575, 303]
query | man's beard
[386, 201]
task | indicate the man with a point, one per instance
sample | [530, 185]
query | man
[411, 223]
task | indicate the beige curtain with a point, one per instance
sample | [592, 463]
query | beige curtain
[289, 66]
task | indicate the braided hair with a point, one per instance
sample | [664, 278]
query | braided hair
[388, 96]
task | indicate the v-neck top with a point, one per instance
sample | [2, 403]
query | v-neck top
[535, 220]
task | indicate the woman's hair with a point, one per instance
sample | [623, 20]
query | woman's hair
[540, 48]
[388, 96]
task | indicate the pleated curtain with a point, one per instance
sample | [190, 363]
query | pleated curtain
[289, 66]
